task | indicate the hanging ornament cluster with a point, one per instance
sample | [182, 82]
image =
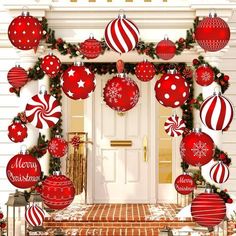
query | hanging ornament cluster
[34, 215]
[219, 172]
[121, 93]
[145, 71]
[184, 184]
[17, 77]
[174, 126]
[51, 65]
[204, 75]
[17, 131]
[57, 147]
[165, 49]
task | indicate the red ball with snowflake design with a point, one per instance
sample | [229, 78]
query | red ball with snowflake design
[51, 65]
[145, 71]
[57, 147]
[121, 93]
[78, 82]
[17, 132]
[204, 75]
[197, 148]
[172, 90]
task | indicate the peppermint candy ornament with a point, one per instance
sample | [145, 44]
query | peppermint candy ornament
[34, 215]
[57, 147]
[145, 71]
[51, 65]
[17, 132]
[219, 172]
[121, 34]
[17, 77]
[174, 126]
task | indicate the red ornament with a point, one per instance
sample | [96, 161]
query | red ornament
[184, 184]
[57, 191]
[145, 71]
[212, 33]
[120, 66]
[204, 75]
[1, 215]
[3, 225]
[57, 147]
[17, 132]
[25, 32]
[51, 65]
[216, 112]
[17, 77]
[219, 172]
[121, 93]
[197, 148]
[229, 200]
[23, 171]
[165, 49]
[34, 215]
[208, 209]
[78, 82]
[172, 90]
[226, 78]
[91, 48]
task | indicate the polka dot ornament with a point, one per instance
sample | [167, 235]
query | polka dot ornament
[51, 65]
[145, 71]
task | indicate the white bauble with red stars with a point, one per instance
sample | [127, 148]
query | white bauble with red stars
[204, 75]
[145, 71]
[172, 90]
[121, 93]
[51, 65]
[25, 32]
[57, 147]
[184, 184]
[78, 82]
[17, 132]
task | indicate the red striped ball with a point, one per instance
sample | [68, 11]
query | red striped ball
[219, 172]
[17, 77]
[208, 209]
[165, 49]
[34, 215]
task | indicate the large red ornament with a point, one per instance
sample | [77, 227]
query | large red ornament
[25, 32]
[17, 132]
[219, 172]
[91, 48]
[216, 112]
[145, 71]
[57, 147]
[204, 75]
[51, 65]
[23, 171]
[184, 184]
[165, 49]
[121, 34]
[17, 77]
[208, 209]
[57, 191]
[121, 93]
[78, 82]
[197, 148]
[172, 90]
[212, 33]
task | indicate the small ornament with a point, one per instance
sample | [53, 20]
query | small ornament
[145, 71]
[172, 90]
[197, 148]
[120, 66]
[17, 132]
[91, 48]
[216, 112]
[51, 65]
[174, 126]
[208, 209]
[43, 111]
[219, 172]
[57, 147]
[121, 34]
[121, 93]
[57, 191]
[184, 184]
[78, 82]
[204, 75]
[165, 49]
[25, 32]
[17, 77]
[75, 141]
[212, 33]
[34, 215]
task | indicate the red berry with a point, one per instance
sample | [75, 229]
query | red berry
[229, 200]
[1, 215]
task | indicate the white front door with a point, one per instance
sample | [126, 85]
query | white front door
[121, 174]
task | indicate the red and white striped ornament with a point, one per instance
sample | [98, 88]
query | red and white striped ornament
[121, 34]
[219, 172]
[17, 77]
[216, 112]
[34, 215]
[174, 126]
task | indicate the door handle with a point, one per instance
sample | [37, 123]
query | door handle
[145, 158]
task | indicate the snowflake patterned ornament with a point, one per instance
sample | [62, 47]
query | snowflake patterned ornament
[197, 148]
[204, 75]
[57, 147]
[121, 93]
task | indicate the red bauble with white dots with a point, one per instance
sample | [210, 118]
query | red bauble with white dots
[145, 71]
[17, 132]
[184, 184]
[91, 48]
[121, 93]
[23, 171]
[78, 82]
[197, 148]
[208, 209]
[165, 49]
[17, 77]
[172, 90]
[57, 147]
[212, 33]
[25, 32]
[204, 75]
[57, 191]
[51, 65]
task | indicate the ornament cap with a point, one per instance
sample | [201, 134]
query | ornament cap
[56, 172]
[25, 13]
[208, 190]
[91, 36]
[17, 65]
[78, 63]
[50, 53]
[197, 130]
[122, 75]
[122, 14]
[217, 91]
[172, 71]
[23, 150]
[43, 90]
